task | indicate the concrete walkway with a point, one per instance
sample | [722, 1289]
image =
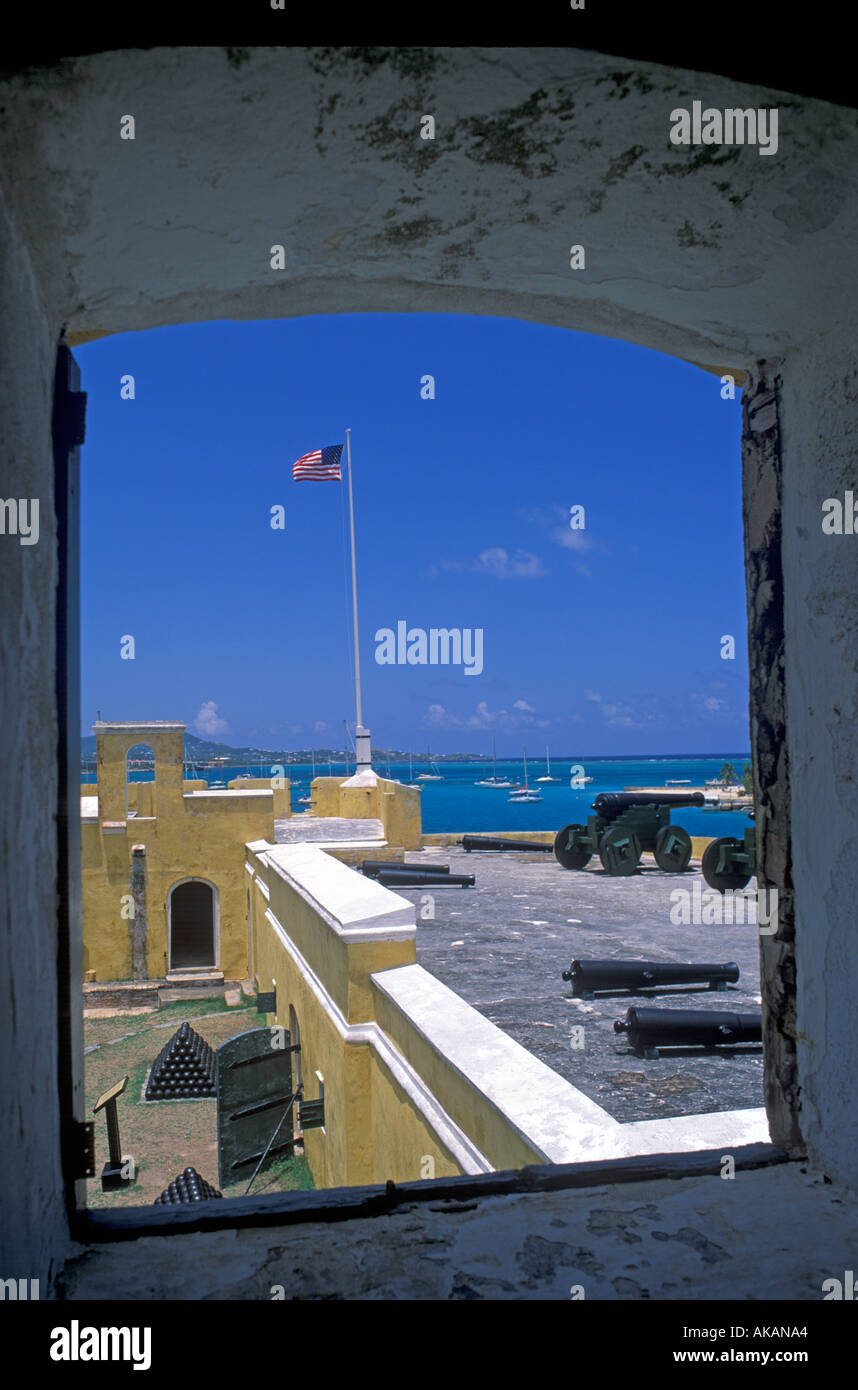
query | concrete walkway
[296, 830]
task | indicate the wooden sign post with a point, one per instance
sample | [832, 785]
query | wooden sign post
[118, 1171]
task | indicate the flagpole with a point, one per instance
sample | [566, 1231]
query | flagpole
[362, 735]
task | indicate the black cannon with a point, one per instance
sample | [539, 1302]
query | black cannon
[416, 878]
[730, 863]
[625, 824]
[635, 975]
[373, 867]
[469, 842]
[649, 1029]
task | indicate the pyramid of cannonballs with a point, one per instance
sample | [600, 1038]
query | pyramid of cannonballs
[187, 1187]
[184, 1068]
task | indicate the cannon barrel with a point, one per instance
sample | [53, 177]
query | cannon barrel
[469, 842]
[415, 878]
[648, 1029]
[373, 867]
[589, 975]
[609, 805]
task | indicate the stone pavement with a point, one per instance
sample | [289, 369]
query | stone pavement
[503, 945]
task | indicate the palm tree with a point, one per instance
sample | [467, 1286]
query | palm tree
[727, 775]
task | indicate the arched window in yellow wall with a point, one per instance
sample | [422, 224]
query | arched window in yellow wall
[140, 782]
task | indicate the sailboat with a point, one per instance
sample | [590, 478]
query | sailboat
[307, 800]
[433, 776]
[494, 780]
[548, 777]
[411, 782]
[525, 793]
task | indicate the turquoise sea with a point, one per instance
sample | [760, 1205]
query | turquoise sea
[455, 804]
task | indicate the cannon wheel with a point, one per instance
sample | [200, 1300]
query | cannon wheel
[672, 849]
[619, 851]
[571, 856]
[709, 865]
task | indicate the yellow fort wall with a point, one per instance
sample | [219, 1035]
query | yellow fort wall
[294, 947]
[488, 1127]
[417, 1084]
[197, 834]
[396, 806]
[372, 1131]
[281, 787]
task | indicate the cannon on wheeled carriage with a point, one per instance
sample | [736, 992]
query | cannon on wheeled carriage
[730, 863]
[624, 825]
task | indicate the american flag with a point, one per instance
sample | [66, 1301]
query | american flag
[319, 465]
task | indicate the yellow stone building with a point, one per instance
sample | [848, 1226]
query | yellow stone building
[164, 884]
[163, 861]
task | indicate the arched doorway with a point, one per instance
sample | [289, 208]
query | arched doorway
[193, 911]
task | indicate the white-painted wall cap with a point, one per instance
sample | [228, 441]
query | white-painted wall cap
[367, 778]
[351, 904]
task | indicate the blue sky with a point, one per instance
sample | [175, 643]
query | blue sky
[605, 640]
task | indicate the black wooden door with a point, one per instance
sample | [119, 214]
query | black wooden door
[254, 1088]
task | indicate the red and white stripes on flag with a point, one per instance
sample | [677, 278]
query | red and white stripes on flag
[319, 466]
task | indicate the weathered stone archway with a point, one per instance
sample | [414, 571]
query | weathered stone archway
[733, 261]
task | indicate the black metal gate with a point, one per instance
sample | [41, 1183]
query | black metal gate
[254, 1089]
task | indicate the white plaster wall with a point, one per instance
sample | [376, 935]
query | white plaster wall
[698, 1238]
[712, 254]
[32, 1240]
[820, 432]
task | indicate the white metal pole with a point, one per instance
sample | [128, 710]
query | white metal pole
[362, 739]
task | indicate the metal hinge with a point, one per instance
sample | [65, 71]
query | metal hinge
[83, 1133]
[311, 1114]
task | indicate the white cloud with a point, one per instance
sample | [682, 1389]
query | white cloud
[208, 723]
[500, 564]
[320, 726]
[522, 565]
[618, 715]
[484, 718]
[571, 540]
[712, 704]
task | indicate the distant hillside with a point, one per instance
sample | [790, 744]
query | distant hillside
[204, 750]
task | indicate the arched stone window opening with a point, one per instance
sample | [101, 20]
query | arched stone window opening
[140, 795]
